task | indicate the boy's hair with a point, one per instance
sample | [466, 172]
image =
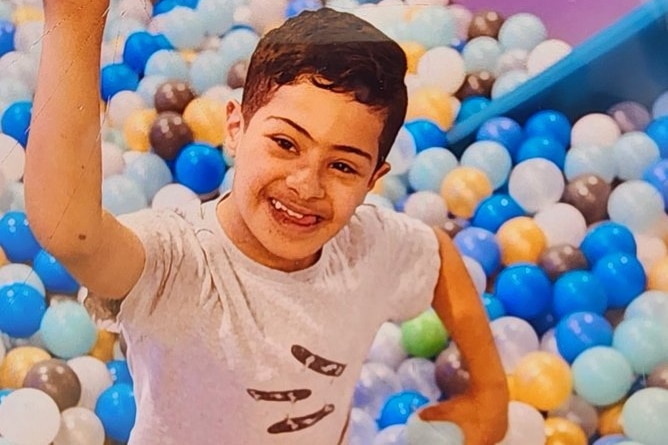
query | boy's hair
[336, 51]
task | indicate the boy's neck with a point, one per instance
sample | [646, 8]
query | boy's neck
[235, 228]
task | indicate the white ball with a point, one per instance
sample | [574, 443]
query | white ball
[402, 153]
[427, 206]
[526, 425]
[12, 158]
[121, 105]
[80, 426]
[562, 224]
[595, 129]
[536, 184]
[140, 10]
[173, 196]
[21, 273]
[650, 249]
[387, 347]
[94, 377]
[29, 416]
[477, 274]
[442, 67]
[546, 54]
[112, 159]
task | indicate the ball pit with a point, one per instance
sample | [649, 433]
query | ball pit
[557, 217]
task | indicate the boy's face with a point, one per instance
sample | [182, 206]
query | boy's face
[303, 164]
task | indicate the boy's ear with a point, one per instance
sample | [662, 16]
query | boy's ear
[379, 173]
[234, 125]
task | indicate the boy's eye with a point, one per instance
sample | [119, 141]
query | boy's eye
[283, 143]
[343, 167]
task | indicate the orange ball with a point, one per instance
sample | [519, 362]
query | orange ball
[512, 386]
[413, 51]
[543, 380]
[137, 128]
[431, 103]
[463, 189]
[206, 118]
[25, 14]
[657, 278]
[610, 419]
[17, 363]
[560, 431]
[104, 346]
[520, 240]
[3, 257]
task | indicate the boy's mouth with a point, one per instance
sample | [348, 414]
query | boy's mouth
[293, 216]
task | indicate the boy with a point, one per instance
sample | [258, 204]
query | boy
[247, 318]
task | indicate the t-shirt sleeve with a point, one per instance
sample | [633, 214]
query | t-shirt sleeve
[405, 261]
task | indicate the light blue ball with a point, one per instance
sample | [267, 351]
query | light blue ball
[643, 342]
[378, 201]
[635, 204]
[644, 416]
[395, 188]
[217, 16]
[121, 27]
[651, 304]
[508, 82]
[6, 10]
[121, 195]
[209, 69]
[430, 167]
[417, 374]
[522, 31]
[167, 63]
[419, 432]
[433, 26]
[363, 427]
[490, 157]
[481, 54]
[13, 90]
[150, 172]
[183, 28]
[148, 86]
[592, 160]
[67, 330]
[602, 376]
[13, 273]
[634, 152]
[238, 44]
[392, 435]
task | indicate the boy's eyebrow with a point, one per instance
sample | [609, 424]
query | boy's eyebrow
[302, 130]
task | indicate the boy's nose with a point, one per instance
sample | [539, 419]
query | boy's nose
[306, 182]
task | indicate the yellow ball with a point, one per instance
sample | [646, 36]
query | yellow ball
[188, 55]
[543, 380]
[560, 431]
[521, 240]
[17, 363]
[413, 51]
[431, 103]
[137, 127]
[3, 257]
[206, 118]
[25, 14]
[463, 189]
[104, 346]
[610, 419]
[657, 279]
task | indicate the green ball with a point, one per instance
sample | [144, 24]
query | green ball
[424, 336]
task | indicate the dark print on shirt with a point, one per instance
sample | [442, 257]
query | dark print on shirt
[315, 363]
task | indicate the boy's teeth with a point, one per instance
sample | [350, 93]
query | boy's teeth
[280, 206]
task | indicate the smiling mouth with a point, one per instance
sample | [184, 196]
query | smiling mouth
[294, 216]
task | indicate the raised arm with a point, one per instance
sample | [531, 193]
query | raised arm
[63, 174]
[482, 413]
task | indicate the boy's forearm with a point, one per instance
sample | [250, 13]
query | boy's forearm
[63, 165]
[459, 306]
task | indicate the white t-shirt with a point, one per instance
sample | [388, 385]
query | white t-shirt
[224, 350]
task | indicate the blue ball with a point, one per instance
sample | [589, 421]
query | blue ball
[117, 77]
[481, 245]
[658, 131]
[542, 147]
[54, 276]
[426, 134]
[16, 238]
[525, 291]
[200, 167]
[606, 238]
[493, 306]
[399, 407]
[4, 393]
[503, 130]
[579, 291]
[120, 373]
[16, 121]
[149, 171]
[167, 63]
[543, 323]
[139, 47]
[21, 310]
[430, 167]
[495, 210]
[117, 409]
[471, 106]
[549, 123]
[7, 32]
[167, 5]
[580, 331]
[610, 439]
[657, 175]
[296, 7]
[490, 157]
[622, 277]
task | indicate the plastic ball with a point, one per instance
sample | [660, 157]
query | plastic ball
[612, 439]
[28, 415]
[137, 128]
[476, 273]
[67, 329]
[514, 339]
[525, 425]
[427, 206]
[183, 28]
[205, 117]
[167, 63]
[104, 345]
[481, 245]
[636, 204]
[511, 60]
[580, 331]
[392, 435]
[17, 363]
[503, 130]
[581, 413]
[602, 376]
[477, 84]
[208, 69]
[607, 238]
[451, 375]
[549, 123]
[16, 237]
[522, 31]
[508, 82]
[610, 419]
[399, 407]
[535, 184]
[21, 310]
[430, 69]
[117, 77]
[521, 241]
[15, 273]
[642, 417]
[363, 427]
[79, 426]
[651, 304]
[200, 167]
[15, 121]
[634, 152]
[490, 157]
[595, 129]
[562, 224]
[57, 380]
[493, 307]
[117, 410]
[431, 103]
[121, 195]
[542, 147]
[579, 291]
[563, 431]
[417, 374]
[660, 106]
[424, 336]
[53, 274]
[644, 343]
[481, 54]
[589, 195]
[484, 23]
[150, 172]
[425, 134]
[13, 158]
[139, 46]
[658, 131]
[93, 376]
[524, 289]
[471, 106]
[590, 160]
[428, 18]
[375, 384]
[430, 167]
[496, 210]
[622, 277]
[169, 134]
[542, 380]
[630, 116]
[432, 433]
[121, 106]
[217, 16]
[546, 54]
[463, 189]
[657, 175]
